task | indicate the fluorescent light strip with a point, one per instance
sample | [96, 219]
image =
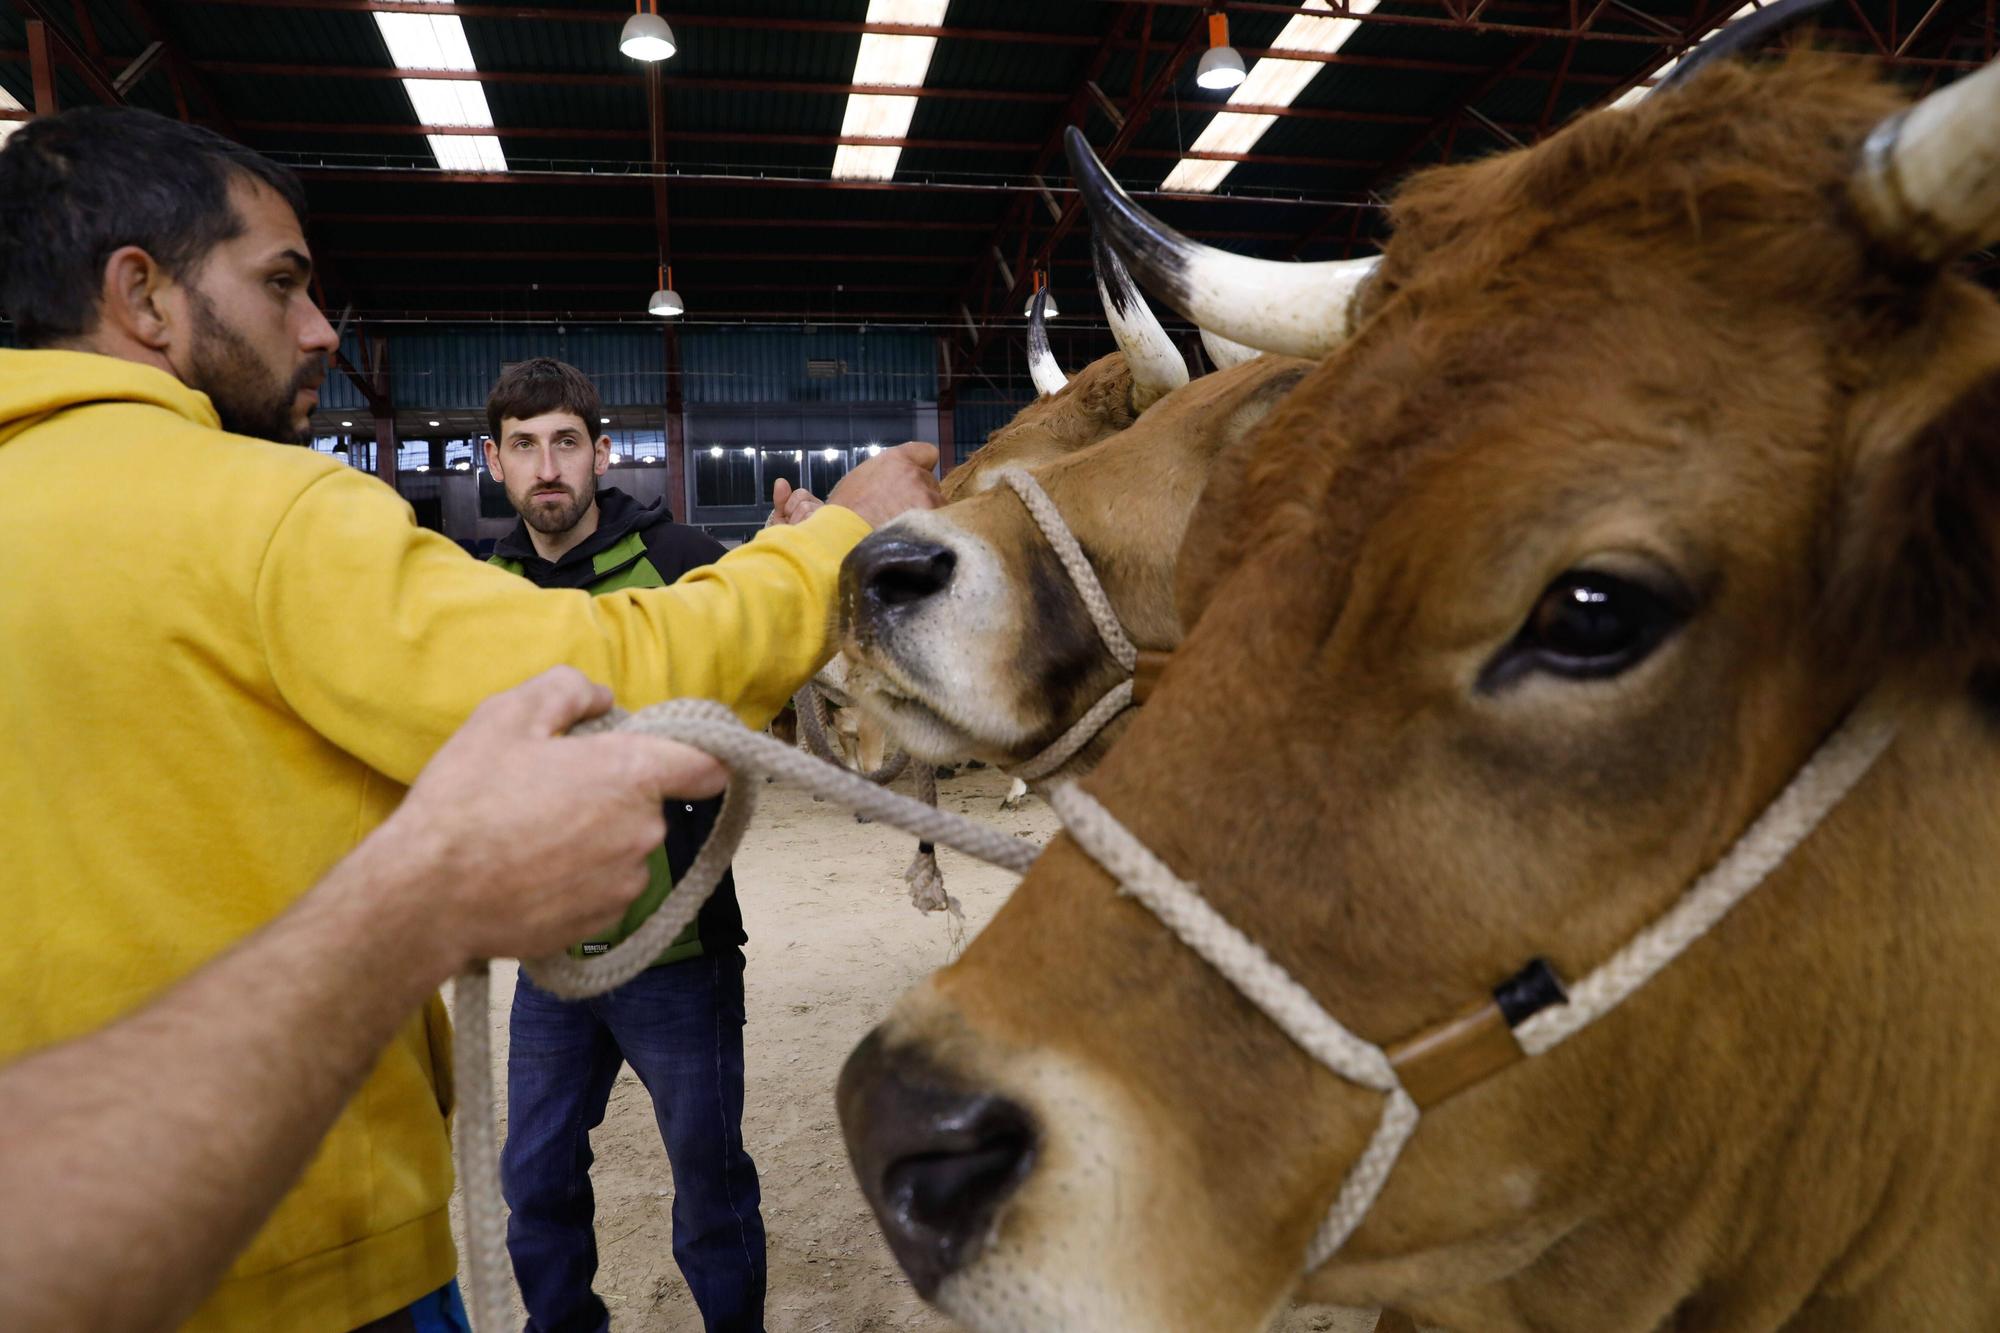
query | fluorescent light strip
[891, 61]
[1272, 81]
[436, 42]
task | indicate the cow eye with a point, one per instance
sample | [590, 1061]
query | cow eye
[1586, 626]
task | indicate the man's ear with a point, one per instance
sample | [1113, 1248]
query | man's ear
[492, 460]
[1917, 577]
[602, 452]
[133, 302]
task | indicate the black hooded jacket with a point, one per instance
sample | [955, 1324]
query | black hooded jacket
[628, 534]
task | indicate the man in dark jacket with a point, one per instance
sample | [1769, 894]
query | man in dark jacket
[680, 1023]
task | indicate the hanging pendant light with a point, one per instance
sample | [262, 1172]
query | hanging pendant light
[666, 302]
[646, 35]
[1049, 311]
[1220, 66]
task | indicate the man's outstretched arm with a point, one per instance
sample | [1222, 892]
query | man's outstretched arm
[138, 1160]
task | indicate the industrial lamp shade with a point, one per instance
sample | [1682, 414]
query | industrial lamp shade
[1049, 310]
[1220, 67]
[647, 37]
[666, 302]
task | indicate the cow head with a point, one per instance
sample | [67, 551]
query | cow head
[964, 632]
[1648, 451]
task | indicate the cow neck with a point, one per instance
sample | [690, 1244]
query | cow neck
[1531, 1014]
[1141, 667]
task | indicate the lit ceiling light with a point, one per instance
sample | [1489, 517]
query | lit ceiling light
[347, 423]
[749, 453]
[874, 449]
[1049, 310]
[437, 423]
[715, 451]
[646, 35]
[423, 467]
[1220, 67]
[604, 421]
[889, 60]
[666, 302]
[828, 454]
[437, 42]
[464, 466]
[647, 459]
[1272, 81]
[614, 460]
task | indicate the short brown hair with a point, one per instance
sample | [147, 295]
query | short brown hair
[541, 385]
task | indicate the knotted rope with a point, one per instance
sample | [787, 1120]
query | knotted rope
[1820, 785]
[926, 881]
[748, 754]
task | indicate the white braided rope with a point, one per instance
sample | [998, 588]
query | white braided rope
[1081, 733]
[1056, 531]
[1814, 790]
[1070, 552]
[748, 754]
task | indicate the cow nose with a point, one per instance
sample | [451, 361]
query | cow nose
[936, 1161]
[887, 571]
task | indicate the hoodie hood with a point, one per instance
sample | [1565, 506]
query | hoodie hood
[37, 383]
[618, 516]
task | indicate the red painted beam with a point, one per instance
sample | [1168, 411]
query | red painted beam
[568, 78]
[614, 17]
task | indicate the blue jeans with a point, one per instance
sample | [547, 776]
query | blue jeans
[681, 1027]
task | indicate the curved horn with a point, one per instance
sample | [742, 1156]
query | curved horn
[1297, 309]
[1928, 184]
[1042, 367]
[1225, 353]
[1156, 364]
[1745, 35]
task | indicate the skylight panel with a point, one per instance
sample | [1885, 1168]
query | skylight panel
[1272, 81]
[7, 127]
[437, 42]
[892, 61]
[1634, 94]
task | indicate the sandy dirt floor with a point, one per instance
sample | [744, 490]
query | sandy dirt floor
[833, 941]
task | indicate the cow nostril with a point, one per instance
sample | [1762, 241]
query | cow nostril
[937, 1162]
[900, 571]
[955, 1194]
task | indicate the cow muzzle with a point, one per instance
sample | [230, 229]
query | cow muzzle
[935, 1161]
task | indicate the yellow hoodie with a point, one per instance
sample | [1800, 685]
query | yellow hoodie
[221, 660]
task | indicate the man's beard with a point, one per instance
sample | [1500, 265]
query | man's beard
[247, 396]
[552, 520]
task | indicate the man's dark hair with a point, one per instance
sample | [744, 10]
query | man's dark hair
[76, 187]
[541, 385]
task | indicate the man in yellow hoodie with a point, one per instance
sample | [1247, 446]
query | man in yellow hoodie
[223, 660]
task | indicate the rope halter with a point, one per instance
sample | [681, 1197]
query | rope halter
[1141, 667]
[1529, 1015]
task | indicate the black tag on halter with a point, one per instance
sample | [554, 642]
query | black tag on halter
[1528, 992]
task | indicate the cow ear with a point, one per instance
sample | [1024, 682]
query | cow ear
[1918, 573]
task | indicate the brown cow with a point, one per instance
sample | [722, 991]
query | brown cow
[964, 633]
[1655, 448]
